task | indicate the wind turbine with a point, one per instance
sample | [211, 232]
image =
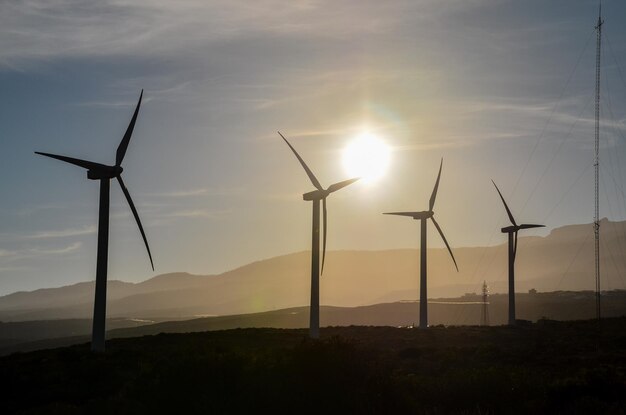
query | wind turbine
[104, 173]
[512, 231]
[315, 196]
[423, 217]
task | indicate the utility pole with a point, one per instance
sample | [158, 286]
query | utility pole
[484, 318]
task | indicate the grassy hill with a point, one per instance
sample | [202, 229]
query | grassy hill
[548, 367]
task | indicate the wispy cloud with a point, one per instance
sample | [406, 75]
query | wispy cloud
[30, 253]
[111, 104]
[180, 193]
[195, 213]
[16, 268]
[27, 211]
[4, 253]
[187, 193]
[63, 233]
[60, 251]
[169, 217]
[48, 28]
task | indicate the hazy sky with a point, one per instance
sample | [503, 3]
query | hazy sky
[481, 83]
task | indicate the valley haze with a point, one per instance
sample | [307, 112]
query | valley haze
[563, 260]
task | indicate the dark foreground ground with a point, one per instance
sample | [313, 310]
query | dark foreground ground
[548, 367]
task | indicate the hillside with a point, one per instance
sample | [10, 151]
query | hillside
[551, 367]
[561, 261]
[33, 335]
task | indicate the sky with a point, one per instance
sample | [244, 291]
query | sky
[500, 89]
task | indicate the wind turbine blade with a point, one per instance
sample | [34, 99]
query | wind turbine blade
[508, 211]
[89, 165]
[431, 203]
[530, 226]
[445, 241]
[410, 214]
[341, 185]
[325, 226]
[515, 246]
[136, 215]
[121, 149]
[308, 171]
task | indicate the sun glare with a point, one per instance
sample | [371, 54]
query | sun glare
[367, 157]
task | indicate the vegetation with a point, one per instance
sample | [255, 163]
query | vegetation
[547, 367]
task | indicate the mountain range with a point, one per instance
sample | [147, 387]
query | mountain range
[562, 260]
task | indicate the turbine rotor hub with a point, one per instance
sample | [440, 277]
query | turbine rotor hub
[107, 172]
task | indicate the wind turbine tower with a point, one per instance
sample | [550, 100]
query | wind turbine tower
[104, 173]
[315, 196]
[512, 233]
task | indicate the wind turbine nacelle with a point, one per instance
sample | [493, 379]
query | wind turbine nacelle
[107, 172]
[427, 214]
[315, 195]
[509, 229]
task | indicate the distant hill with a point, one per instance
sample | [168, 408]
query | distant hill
[562, 305]
[561, 261]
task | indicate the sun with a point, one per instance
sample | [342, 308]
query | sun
[366, 156]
